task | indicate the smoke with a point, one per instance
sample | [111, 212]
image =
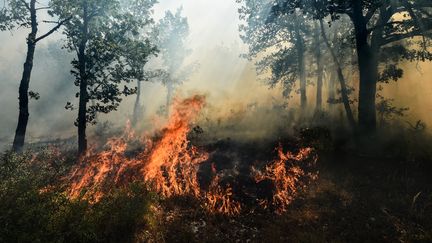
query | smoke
[234, 93]
[50, 78]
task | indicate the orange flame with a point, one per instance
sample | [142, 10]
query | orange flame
[169, 164]
[286, 181]
[220, 200]
[174, 156]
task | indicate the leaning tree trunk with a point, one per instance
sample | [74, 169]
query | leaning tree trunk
[344, 89]
[368, 69]
[83, 98]
[23, 116]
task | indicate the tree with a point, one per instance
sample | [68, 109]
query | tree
[172, 31]
[278, 42]
[138, 108]
[320, 66]
[341, 78]
[141, 49]
[22, 13]
[377, 25]
[103, 35]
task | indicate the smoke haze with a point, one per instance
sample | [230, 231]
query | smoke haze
[228, 81]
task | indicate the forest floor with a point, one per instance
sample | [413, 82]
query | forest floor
[356, 199]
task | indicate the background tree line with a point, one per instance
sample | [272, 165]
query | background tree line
[111, 41]
[293, 41]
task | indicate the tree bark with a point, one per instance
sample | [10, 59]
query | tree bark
[137, 107]
[300, 47]
[332, 88]
[23, 116]
[320, 68]
[170, 90]
[83, 98]
[344, 90]
[368, 69]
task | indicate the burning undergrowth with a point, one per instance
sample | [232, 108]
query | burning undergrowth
[224, 177]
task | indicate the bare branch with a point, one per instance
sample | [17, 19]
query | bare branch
[53, 29]
[43, 8]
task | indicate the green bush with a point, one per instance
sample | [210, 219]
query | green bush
[35, 208]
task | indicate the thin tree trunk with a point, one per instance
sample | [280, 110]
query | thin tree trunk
[301, 63]
[23, 116]
[83, 99]
[320, 68]
[332, 88]
[344, 90]
[170, 90]
[332, 82]
[137, 107]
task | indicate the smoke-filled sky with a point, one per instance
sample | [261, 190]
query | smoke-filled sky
[213, 39]
[211, 22]
[228, 80]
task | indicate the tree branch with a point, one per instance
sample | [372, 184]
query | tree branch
[399, 37]
[26, 4]
[53, 29]
[370, 13]
[43, 8]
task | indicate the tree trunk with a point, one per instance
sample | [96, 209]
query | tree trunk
[320, 68]
[344, 90]
[303, 97]
[368, 69]
[83, 98]
[137, 107]
[23, 116]
[170, 90]
[332, 88]
[333, 76]
[301, 64]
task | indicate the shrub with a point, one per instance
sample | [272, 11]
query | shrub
[35, 208]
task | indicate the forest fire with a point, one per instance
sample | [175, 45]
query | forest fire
[172, 162]
[220, 200]
[286, 180]
[169, 164]
[229, 106]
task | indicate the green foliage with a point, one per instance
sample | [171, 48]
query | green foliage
[387, 111]
[275, 42]
[108, 37]
[13, 14]
[34, 208]
[386, 29]
[171, 36]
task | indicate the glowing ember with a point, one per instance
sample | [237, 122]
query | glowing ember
[169, 164]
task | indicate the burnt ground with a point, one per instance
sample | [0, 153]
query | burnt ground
[357, 198]
[361, 195]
